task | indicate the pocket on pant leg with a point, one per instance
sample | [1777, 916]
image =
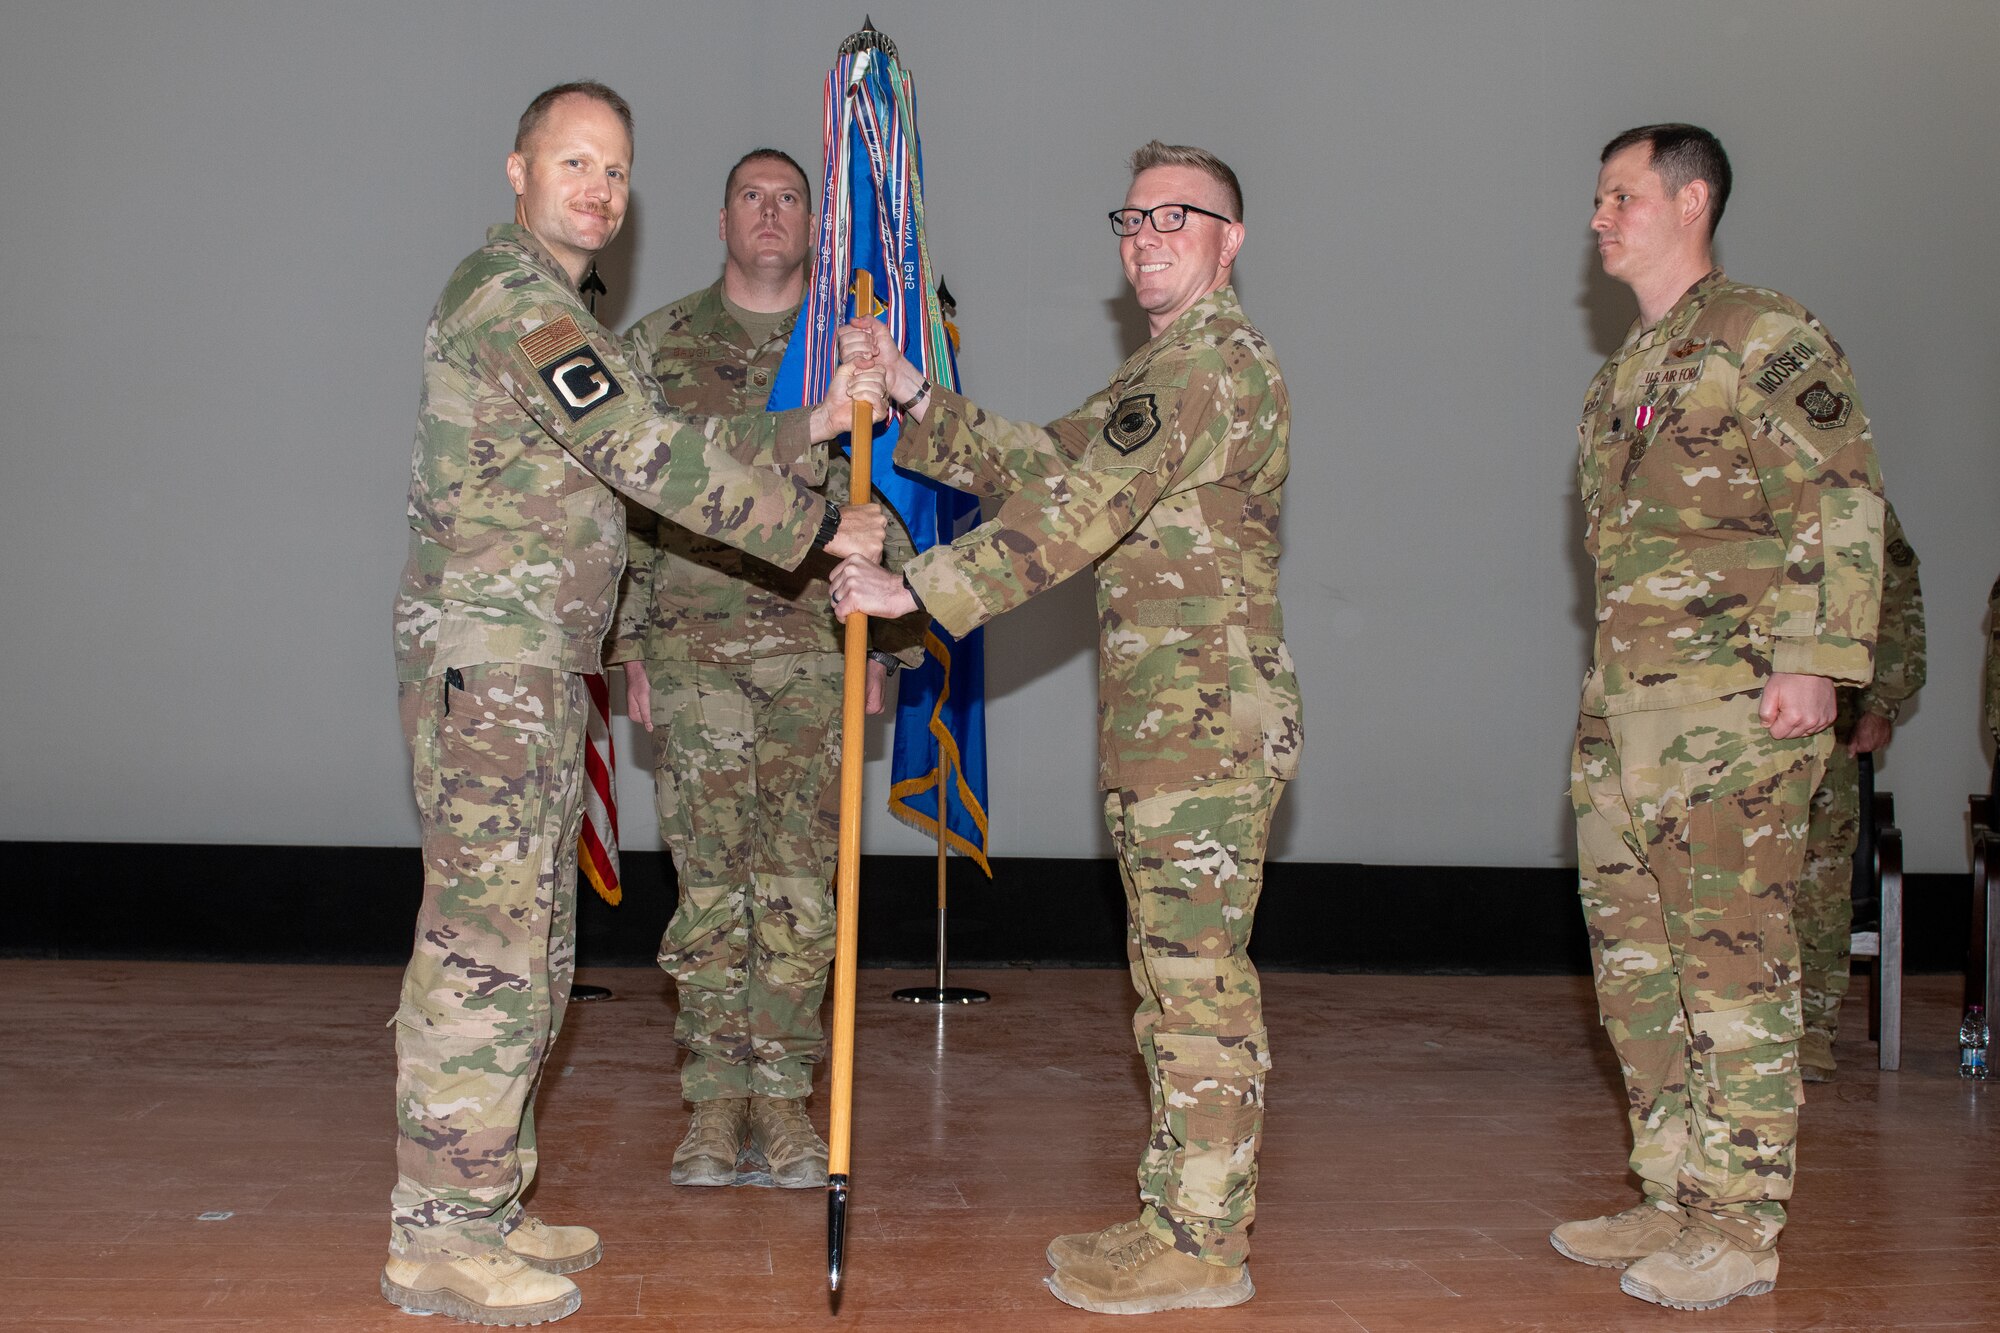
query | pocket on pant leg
[487, 903]
[1212, 1094]
[707, 941]
[793, 929]
[1745, 1101]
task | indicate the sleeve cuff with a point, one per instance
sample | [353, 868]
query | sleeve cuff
[1852, 664]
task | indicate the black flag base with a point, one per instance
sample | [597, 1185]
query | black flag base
[940, 995]
[836, 1228]
[582, 993]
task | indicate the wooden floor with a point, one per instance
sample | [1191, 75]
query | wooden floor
[1424, 1134]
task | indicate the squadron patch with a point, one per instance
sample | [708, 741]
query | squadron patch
[568, 364]
[1824, 408]
[1901, 555]
[1133, 422]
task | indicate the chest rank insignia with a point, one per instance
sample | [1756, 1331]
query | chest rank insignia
[568, 364]
[1133, 422]
[1823, 407]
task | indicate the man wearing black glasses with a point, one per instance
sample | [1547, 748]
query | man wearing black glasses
[1168, 484]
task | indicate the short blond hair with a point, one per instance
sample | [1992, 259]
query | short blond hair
[1157, 154]
[538, 110]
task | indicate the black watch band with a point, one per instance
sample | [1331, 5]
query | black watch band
[828, 526]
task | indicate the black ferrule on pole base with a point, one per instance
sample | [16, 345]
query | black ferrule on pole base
[836, 1229]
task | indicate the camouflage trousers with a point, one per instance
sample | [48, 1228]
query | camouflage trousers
[1192, 860]
[1824, 914]
[745, 760]
[497, 768]
[1691, 826]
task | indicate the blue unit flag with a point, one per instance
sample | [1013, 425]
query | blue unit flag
[872, 217]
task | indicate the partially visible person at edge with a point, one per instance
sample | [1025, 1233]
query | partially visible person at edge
[1993, 692]
[734, 666]
[1867, 716]
[1733, 513]
[532, 424]
[1166, 484]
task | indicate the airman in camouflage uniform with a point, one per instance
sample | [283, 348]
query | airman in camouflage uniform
[1734, 519]
[531, 419]
[734, 666]
[1167, 483]
[1824, 914]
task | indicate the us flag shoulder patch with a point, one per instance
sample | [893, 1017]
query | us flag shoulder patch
[551, 340]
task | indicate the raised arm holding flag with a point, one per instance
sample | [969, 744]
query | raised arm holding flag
[1166, 485]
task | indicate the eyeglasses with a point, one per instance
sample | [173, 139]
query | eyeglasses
[1165, 218]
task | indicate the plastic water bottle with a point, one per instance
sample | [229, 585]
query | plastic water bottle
[1972, 1044]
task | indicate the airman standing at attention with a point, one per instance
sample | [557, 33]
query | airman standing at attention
[1733, 514]
[1824, 916]
[733, 664]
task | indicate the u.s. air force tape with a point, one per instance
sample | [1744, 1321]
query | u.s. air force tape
[1133, 422]
[570, 367]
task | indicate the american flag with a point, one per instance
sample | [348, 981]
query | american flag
[597, 852]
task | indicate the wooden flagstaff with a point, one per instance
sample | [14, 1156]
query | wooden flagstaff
[847, 874]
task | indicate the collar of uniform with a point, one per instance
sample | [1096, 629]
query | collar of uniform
[520, 238]
[1218, 304]
[1680, 319]
[710, 318]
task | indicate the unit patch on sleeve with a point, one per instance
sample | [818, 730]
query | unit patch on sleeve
[1824, 408]
[1133, 422]
[568, 364]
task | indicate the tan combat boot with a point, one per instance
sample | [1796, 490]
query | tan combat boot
[780, 1129]
[707, 1156]
[1622, 1238]
[1145, 1275]
[1087, 1244]
[1701, 1270]
[1816, 1058]
[554, 1249]
[492, 1287]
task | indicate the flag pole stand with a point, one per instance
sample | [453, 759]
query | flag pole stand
[941, 993]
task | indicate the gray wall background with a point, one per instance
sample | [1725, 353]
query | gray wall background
[226, 223]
